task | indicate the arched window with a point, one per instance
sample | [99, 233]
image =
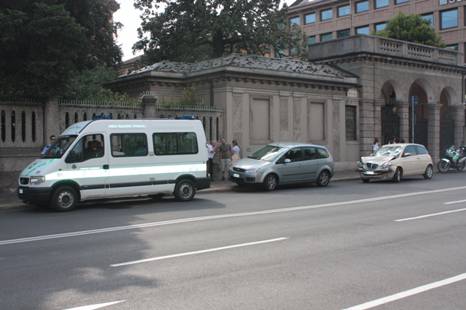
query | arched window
[13, 126]
[33, 127]
[85, 116]
[3, 125]
[23, 126]
[67, 120]
[76, 117]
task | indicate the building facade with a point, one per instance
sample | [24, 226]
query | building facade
[323, 20]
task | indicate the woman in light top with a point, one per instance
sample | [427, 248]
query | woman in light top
[235, 151]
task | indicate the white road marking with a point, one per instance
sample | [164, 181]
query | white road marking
[223, 216]
[454, 202]
[430, 215]
[198, 252]
[411, 292]
[97, 306]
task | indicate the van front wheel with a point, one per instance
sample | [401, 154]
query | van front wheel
[64, 198]
[184, 190]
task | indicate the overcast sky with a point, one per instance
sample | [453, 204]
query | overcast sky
[129, 17]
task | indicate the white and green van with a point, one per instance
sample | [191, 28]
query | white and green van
[103, 159]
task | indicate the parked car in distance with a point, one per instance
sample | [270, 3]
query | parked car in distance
[284, 163]
[394, 161]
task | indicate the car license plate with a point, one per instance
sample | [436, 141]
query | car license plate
[20, 190]
[235, 175]
[369, 172]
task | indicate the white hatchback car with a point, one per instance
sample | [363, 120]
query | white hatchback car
[393, 161]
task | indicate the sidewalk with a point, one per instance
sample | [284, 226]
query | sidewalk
[8, 185]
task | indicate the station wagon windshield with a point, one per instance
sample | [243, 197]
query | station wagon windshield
[58, 148]
[267, 153]
[389, 151]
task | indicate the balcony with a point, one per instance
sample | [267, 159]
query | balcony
[384, 46]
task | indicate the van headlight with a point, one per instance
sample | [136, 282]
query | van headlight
[37, 180]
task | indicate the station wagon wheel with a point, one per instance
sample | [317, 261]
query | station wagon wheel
[184, 190]
[397, 176]
[64, 198]
[429, 172]
[271, 182]
[323, 179]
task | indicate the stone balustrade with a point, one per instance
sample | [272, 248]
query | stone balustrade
[385, 46]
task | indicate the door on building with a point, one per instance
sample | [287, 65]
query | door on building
[390, 123]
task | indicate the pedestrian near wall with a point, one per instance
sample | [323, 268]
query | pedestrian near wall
[225, 157]
[210, 160]
[375, 146]
[235, 150]
[46, 148]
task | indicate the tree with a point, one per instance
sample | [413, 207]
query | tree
[190, 30]
[44, 43]
[411, 28]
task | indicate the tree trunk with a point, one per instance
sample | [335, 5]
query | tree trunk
[218, 44]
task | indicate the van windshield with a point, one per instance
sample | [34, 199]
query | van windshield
[57, 148]
[267, 153]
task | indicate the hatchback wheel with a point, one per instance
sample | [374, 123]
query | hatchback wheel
[429, 172]
[271, 182]
[324, 178]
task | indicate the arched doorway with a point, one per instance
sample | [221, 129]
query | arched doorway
[447, 125]
[390, 117]
[418, 102]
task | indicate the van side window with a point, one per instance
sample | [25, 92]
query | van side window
[88, 147]
[175, 143]
[128, 144]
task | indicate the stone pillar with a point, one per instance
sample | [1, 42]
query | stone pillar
[275, 118]
[366, 126]
[403, 113]
[378, 119]
[245, 122]
[433, 131]
[148, 105]
[228, 127]
[458, 119]
[51, 119]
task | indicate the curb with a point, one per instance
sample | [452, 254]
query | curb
[221, 189]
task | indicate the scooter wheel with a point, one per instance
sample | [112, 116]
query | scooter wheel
[443, 166]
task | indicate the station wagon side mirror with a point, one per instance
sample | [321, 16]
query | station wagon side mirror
[287, 161]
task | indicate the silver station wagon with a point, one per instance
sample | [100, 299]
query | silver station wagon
[284, 163]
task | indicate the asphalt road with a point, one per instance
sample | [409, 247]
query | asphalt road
[393, 246]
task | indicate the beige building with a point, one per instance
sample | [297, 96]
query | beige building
[330, 19]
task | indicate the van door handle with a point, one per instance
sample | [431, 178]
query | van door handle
[106, 167]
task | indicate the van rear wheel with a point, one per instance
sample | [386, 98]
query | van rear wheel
[184, 190]
[64, 198]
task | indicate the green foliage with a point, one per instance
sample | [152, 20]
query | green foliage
[190, 30]
[45, 43]
[412, 28]
[88, 85]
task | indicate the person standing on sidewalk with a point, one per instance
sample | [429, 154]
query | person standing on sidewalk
[235, 150]
[225, 157]
[210, 161]
[375, 146]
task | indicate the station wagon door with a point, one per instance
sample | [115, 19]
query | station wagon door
[290, 166]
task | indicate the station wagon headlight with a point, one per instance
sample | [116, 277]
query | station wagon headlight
[37, 180]
[251, 171]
